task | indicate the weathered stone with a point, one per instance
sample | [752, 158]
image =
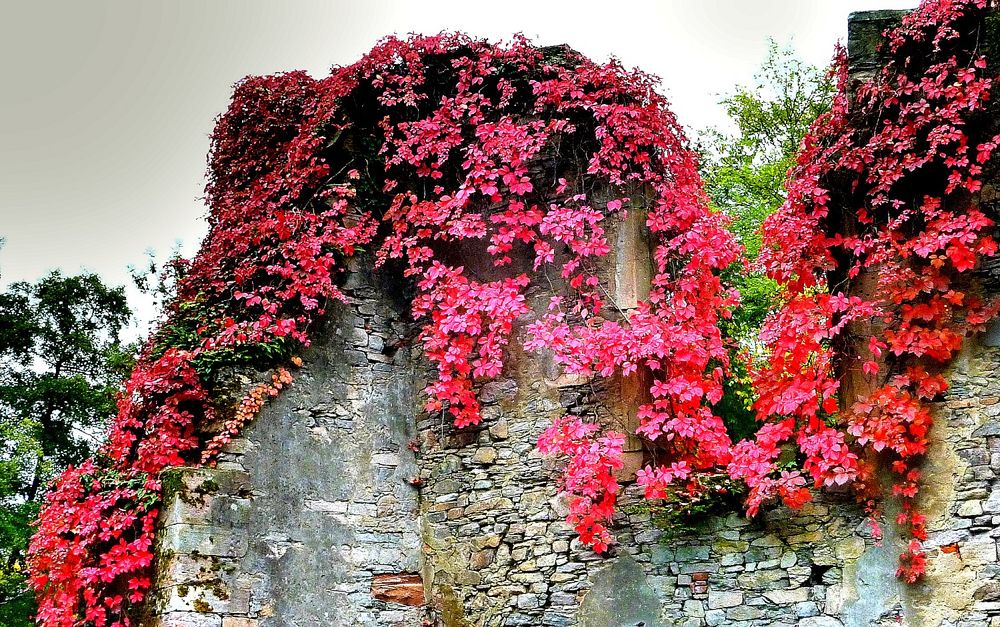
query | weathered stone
[761, 578]
[718, 599]
[500, 430]
[989, 591]
[743, 612]
[489, 505]
[849, 549]
[788, 559]
[723, 547]
[188, 619]
[485, 455]
[968, 509]
[767, 541]
[980, 552]
[204, 540]
[990, 429]
[620, 595]
[992, 504]
[694, 608]
[687, 553]
[820, 621]
[787, 597]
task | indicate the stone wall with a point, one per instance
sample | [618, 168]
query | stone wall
[292, 529]
[345, 504]
[311, 517]
[501, 554]
[962, 497]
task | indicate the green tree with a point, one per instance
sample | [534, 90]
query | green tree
[61, 363]
[744, 170]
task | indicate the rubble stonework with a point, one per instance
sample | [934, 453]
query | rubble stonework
[310, 517]
[323, 514]
[294, 530]
[501, 554]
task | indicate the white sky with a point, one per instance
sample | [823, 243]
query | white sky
[106, 106]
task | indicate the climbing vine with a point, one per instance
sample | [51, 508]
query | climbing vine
[477, 170]
[874, 247]
[876, 243]
[430, 152]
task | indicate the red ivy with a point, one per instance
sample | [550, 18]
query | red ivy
[437, 149]
[464, 137]
[877, 238]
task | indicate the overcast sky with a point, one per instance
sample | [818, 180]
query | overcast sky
[106, 106]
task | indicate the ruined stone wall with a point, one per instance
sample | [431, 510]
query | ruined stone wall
[962, 496]
[310, 518]
[322, 514]
[501, 554]
[313, 519]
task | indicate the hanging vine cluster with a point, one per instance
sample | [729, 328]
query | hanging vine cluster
[434, 151]
[876, 243]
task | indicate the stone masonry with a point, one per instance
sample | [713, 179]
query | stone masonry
[344, 503]
[310, 517]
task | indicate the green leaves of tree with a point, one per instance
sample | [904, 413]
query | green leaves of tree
[744, 170]
[61, 362]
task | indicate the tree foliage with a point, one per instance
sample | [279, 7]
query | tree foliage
[744, 167]
[61, 362]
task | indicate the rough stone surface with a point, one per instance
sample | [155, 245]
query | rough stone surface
[621, 595]
[315, 502]
[323, 500]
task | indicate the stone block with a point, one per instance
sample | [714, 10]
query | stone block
[188, 619]
[202, 540]
[209, 597]
[767, 541]
[761, 578]
[820, 621]
[688, 553]
[485, 455]
[694, 608]
[210, 481]
[849, 548]
[992, 504]
[720, 599]
[500, 430]
[787, 597]
[969, 509]
[979, 552]
[743, 612]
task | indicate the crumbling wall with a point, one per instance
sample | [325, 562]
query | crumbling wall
[311, 541]
[310, 518]
[501, 554]
[321, 513]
